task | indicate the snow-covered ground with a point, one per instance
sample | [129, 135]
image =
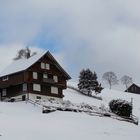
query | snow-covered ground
[21, 121]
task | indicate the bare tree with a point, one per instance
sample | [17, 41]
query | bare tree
[24, 53]
[20, 54]
[27, 53]
[126, 80]
[111, 78]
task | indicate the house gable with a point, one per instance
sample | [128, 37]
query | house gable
[133, 89]
[54, 66]
[23, 64]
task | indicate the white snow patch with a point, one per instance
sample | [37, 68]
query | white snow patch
[21, 64]
[21, 121]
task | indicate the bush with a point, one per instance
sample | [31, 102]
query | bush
[121, 107]
[12, 100]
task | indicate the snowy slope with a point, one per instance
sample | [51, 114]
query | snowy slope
[107, 96]
[21, 121]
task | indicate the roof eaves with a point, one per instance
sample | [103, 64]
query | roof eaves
[67, 75]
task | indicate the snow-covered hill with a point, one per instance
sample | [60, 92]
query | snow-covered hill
[21, 121]
[107, 95]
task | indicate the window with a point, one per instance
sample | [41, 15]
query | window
[45, 76]
[4, 92]
[47, 66]
[35, 76]
[5, 78]
[24, 87]
[55, 78]
[54, 90]
[42, 65]
[36, 87]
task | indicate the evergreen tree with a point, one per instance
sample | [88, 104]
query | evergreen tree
[88, 82]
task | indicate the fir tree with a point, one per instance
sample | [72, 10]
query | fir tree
[88, 82]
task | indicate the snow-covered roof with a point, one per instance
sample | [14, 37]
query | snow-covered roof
[21, 64]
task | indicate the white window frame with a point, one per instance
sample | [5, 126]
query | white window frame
[47, 66]
[5, 78]
[55, 78]
[35, 75]
[45, 75]
[36, 87]
[4, 92]
[42, 65]
[54, 90]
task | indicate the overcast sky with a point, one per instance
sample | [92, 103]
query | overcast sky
[103, 35]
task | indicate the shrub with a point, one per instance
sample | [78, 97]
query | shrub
[121, 107]
[12, 100]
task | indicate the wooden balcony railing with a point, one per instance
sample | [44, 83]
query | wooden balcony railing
[48, 80]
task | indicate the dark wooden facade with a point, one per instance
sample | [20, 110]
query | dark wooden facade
[133, 89]
[22, 82]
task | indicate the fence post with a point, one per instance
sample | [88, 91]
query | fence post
[132, 107]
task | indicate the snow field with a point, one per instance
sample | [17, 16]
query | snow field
[21, 121]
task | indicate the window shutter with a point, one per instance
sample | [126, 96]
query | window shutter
[36, 87]
[35, 76]
[47, 66]
[42, 65]
[45, 76]
[4, 92]
[54, 90]
[55, 78]
[24, 87]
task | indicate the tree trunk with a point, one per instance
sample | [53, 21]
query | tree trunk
[110, 86]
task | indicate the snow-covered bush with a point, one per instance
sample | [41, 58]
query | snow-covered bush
[12, 100]
[85, 106]
[121, 107]
[103, 108]
[67, 104]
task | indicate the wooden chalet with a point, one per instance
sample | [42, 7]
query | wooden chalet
[35, 78]
[133, 89]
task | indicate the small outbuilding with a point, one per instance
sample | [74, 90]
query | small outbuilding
[133, 89]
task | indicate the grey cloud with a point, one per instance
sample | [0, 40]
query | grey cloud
[100, 34]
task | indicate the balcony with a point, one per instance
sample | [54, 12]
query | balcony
[51, 81]
[48, 80]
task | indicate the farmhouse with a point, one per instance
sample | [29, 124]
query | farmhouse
[133, 89]
[35, 78]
